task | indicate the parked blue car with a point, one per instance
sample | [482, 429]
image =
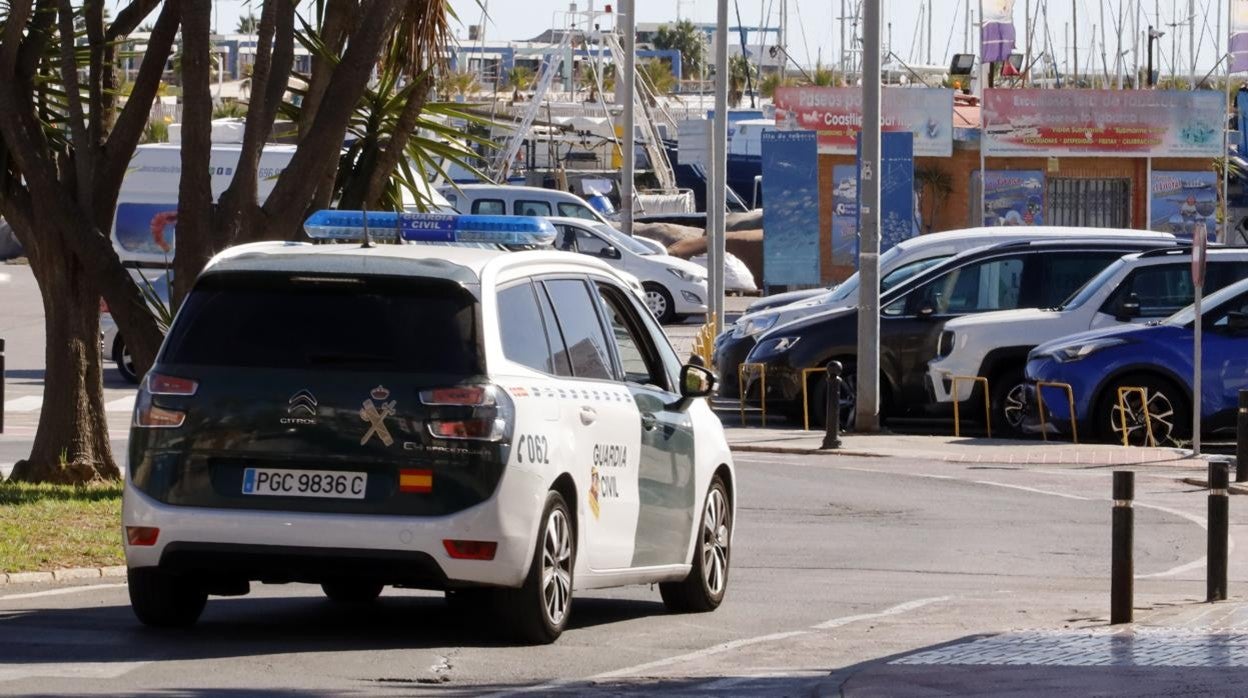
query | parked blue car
[1157, 358]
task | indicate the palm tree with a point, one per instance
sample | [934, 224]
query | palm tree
[772, 82]
[659, 75]
[520, 78]
[458, 83]
[740, 71]
[247, 24]
[685, 37]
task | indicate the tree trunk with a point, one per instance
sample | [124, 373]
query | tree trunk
[195, 243]
[71, 443]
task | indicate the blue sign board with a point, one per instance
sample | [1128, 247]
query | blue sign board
[897, 209]
[791, 217]
[845, 215]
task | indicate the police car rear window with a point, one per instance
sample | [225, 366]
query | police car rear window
[327, 323]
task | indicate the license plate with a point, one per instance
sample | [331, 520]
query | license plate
[332, 484]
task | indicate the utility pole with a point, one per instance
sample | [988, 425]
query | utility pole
[866, 404]
[628, 142]
[929, 31]
[719, 167]
[1191, 38]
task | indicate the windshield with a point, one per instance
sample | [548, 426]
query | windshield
[621, 240]
[890, 279]
[1089, 289]
[1210, 304]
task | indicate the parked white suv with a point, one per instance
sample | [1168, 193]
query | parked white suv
[1137, 288]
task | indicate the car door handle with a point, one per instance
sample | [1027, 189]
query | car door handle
[648, 421]
[588, 415]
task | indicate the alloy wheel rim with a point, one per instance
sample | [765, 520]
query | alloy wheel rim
[656, 303]
[849, 398]
[1014, 406]
[1160, 414]
[557, 567]
[715, 533]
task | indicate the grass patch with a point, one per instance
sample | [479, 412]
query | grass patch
[48, 527]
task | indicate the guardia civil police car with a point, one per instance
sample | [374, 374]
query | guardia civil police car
[507, 426]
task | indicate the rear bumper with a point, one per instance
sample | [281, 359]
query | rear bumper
[283, 546]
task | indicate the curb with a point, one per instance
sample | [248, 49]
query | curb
[62, 575]
[798, 450]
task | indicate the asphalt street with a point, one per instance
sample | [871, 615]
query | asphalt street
[839, 563]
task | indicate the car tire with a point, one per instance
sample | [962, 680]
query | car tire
[660, 302]
[1008, 402]
[539, 610]
[124, 361]
[163, 600]
[352, 592]
[1167, 406]
[703, 590]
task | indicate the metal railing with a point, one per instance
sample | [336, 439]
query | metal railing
[762, 390]
[957, 415]
[1070, 399]
[1123, 391]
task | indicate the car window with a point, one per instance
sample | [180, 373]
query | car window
[522, 328]
[574, 210]
[1162, 290]
[317, 322]
[637, 355]
[907, 271]
[554, 336]
[567, 238]
[489, 207]
[994, 284]
[532, 208]
[1065, 272]
[588, 243]
[585, 341]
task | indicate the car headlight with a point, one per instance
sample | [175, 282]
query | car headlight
[757, 325]
[1075, 352]
[777, 345]
[944, 345]
[684, 275]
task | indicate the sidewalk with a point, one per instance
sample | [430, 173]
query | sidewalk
[955, 449]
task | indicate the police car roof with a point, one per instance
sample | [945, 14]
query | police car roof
[460, 263]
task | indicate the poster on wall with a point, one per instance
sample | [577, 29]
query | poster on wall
[897, 196]
[836, 114]
[1014, 197]
[147, 229]
[791, 218]
[1103, 123]
[1182, 201]
[845, 215]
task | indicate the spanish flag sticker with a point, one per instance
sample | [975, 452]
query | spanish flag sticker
[412, 480]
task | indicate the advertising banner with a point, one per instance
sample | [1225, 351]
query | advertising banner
[1184, 202]
[1103, 123]
[147, 229]
[836, 113]
[897, 197]
[1014, 198]
[791, 217]
[844, 215]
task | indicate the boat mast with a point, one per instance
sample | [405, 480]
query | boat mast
[1074, 46]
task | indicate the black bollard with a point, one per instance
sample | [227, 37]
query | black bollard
[1122, 570]
[1219, 513]
[832, 420]
[1241, 438]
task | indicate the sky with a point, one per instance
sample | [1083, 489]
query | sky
[814, 30]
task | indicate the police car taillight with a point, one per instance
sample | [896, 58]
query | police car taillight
[152, 416]
[473, 412]
[471, 549]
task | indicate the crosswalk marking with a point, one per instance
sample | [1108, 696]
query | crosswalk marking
[33, 403]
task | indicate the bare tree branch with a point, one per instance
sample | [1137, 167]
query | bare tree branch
[129, 19]
[195, 245]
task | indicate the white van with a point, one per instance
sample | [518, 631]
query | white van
[147, 205]
[508, 200]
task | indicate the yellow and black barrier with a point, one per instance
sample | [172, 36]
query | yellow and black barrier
[805, 397]
[742, 370]
[1123, 392]
[957, 415]
[1070, 399]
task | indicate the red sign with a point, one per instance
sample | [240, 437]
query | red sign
[835, 113]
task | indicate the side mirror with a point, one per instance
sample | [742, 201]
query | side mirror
[609, 253]
[1128, 307]
[696, 381]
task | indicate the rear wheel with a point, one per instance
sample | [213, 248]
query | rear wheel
[660, 303]
[539, 609]
[124, 361]
[352, 592]
[163, 600]
[703, 590]
[1167, 412]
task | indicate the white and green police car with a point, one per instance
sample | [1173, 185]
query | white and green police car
[507, 426]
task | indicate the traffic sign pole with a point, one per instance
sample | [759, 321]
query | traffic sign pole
[1200, 240]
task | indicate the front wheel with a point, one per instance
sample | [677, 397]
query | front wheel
[817, 390]
[1167, 412]
[703, 590]
[163, 600]
[660, 303]
[539, 609]
[1009, 402]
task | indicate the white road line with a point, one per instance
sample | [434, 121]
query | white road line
[60, 592]
[26, 403]
[121, 404]
[69, 670]
[1033, 490]
[699, 654]
[891, 611]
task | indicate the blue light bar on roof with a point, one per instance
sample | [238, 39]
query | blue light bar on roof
[430, 227]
